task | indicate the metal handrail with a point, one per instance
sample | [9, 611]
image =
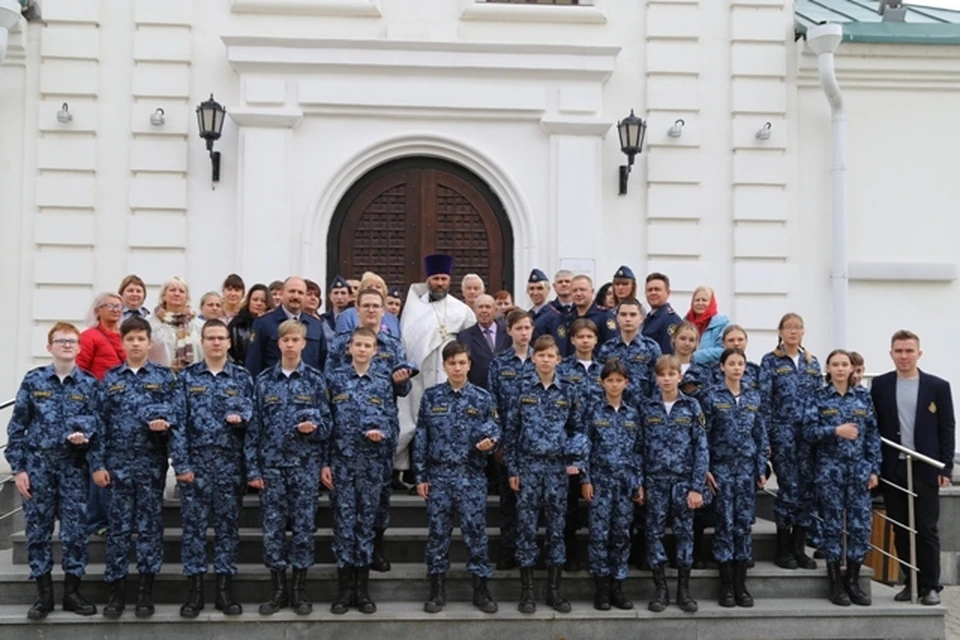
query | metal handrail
[913, 454]
[7, 403]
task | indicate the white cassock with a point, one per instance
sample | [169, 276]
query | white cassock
[426, 327]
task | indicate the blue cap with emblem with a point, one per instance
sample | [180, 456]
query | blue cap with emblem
[625, 272]
[438, 264]
[537, 276]
[394, 292]
[339, 283]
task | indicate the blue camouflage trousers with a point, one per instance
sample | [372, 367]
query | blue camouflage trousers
[463, 494]
[289, 495]
[793, 464]
[842, 487]
[734, 506]
[610, 518]
[218, 488]
[543, 485]
[383, 509]
[357, 486]
[136, 505]
[666, 497]
[508, 512]
[57, 488]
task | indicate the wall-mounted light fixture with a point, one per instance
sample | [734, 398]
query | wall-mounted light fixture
[64, 116]
[677, 129]
[764, 132]
[157, 118]
[210, 117]
[632, 131]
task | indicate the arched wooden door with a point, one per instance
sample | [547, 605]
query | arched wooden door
[407, 209]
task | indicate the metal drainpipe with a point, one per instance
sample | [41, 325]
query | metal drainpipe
[823, 40]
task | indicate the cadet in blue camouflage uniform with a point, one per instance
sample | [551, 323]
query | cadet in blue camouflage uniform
[539, 432]
[738, 467]
[638, 352]
[391, 361]
[283, 451]
[700, 376]
[841, 420]
[582, 372]
[215, 404]
[611, 474]
[508, 369]
[136, 404]
[788, 377]
[456, 431]
[364, 428]
[675, 465]
[54, 418]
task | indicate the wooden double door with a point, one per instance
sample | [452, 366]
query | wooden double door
[404, 210]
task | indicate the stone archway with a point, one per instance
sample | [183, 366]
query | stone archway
[404, 209]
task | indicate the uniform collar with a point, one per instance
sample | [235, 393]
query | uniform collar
[147, 367]
[278, 373]
[227, 368]
[50, 372]
[833, 391]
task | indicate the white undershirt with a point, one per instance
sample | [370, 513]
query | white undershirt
[796, 360]
[669, 405]
[287, 372]
[683, 367]
[586, 364]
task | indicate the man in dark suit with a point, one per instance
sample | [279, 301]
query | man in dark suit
[485, 339]
[263, 351]
[915, 409]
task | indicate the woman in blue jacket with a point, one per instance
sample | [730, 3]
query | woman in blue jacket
[710, 322]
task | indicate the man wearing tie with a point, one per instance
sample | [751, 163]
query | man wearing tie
[485, 339]
[915, 409]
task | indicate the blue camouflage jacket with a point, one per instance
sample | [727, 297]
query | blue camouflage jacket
[827, 410]
[389, 357]
[541, 425]
[360, 403]
[675, 445]
[640, 358]
[612, 444]
[736, 431]
[785, 388]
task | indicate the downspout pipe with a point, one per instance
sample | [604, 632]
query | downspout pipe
[823, 40]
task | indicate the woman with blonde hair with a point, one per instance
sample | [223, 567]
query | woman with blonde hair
[176, 337]
[708, 320]
[350, 319]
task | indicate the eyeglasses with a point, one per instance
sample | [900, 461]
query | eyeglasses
[66, 342]
[112, 307]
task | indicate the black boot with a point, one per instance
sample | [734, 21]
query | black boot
[301, 606]
[118, 599]
[506, 561]
[72, 600]
[344, 591]
[380, 564]
[661, 595]
[686, 602]
[277, 601]
[601, 596]
[554, 595]
[573, 561]
[784, 557]
[617, 597]
[527, 604]
[364, 603]
[144, 608]
[726, 585]
[438, 593]
[838, 595]
[481, 596]
[194, 604]
[224, 600]
[44, 603]
[698, 557]
[743, 597]
[852, 584]
[798, 547]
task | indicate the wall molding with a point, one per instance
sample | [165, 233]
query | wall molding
[479, 10]
[902, 271]
[329, 8]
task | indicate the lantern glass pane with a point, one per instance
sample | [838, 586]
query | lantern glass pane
[622, 131]
[633, 134]
[218, 121]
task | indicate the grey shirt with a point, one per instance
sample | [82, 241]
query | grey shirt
[907, 391]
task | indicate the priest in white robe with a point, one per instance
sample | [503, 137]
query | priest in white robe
[431, 319]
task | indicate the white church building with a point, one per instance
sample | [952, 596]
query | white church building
[367, 133]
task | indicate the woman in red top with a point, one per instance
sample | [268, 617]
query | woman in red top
[101, 347]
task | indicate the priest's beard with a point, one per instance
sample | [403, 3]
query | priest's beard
[436, 295]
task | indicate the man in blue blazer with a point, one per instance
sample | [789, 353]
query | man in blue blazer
[264, 352]
[485, 339]
[915, 409]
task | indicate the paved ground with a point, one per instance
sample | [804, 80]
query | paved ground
[951, 599]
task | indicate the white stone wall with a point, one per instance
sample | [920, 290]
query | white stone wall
[318, 91]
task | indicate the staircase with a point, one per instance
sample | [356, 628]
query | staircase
[789, 604]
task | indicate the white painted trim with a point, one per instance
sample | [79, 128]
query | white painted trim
[576, 126]
[902, 271]
[480, 10]
[279, 53]
[282, 118]
[319, 214]
[896, 67]
[331, 8]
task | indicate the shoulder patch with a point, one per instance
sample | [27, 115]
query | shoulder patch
[561, 331]
[42, 394]
[611, 324]
[197, 390]
[340, 397]
[253, 336]
[672, 329]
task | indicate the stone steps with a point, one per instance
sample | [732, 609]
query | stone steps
[770, 619]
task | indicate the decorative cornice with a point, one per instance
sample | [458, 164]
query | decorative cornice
[502, 12]
[897, 67]
[282, 118]
[902, 271]
[332, 8]
[559, 125]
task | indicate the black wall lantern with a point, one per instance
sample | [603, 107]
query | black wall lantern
[632, 131]
[210, 117]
